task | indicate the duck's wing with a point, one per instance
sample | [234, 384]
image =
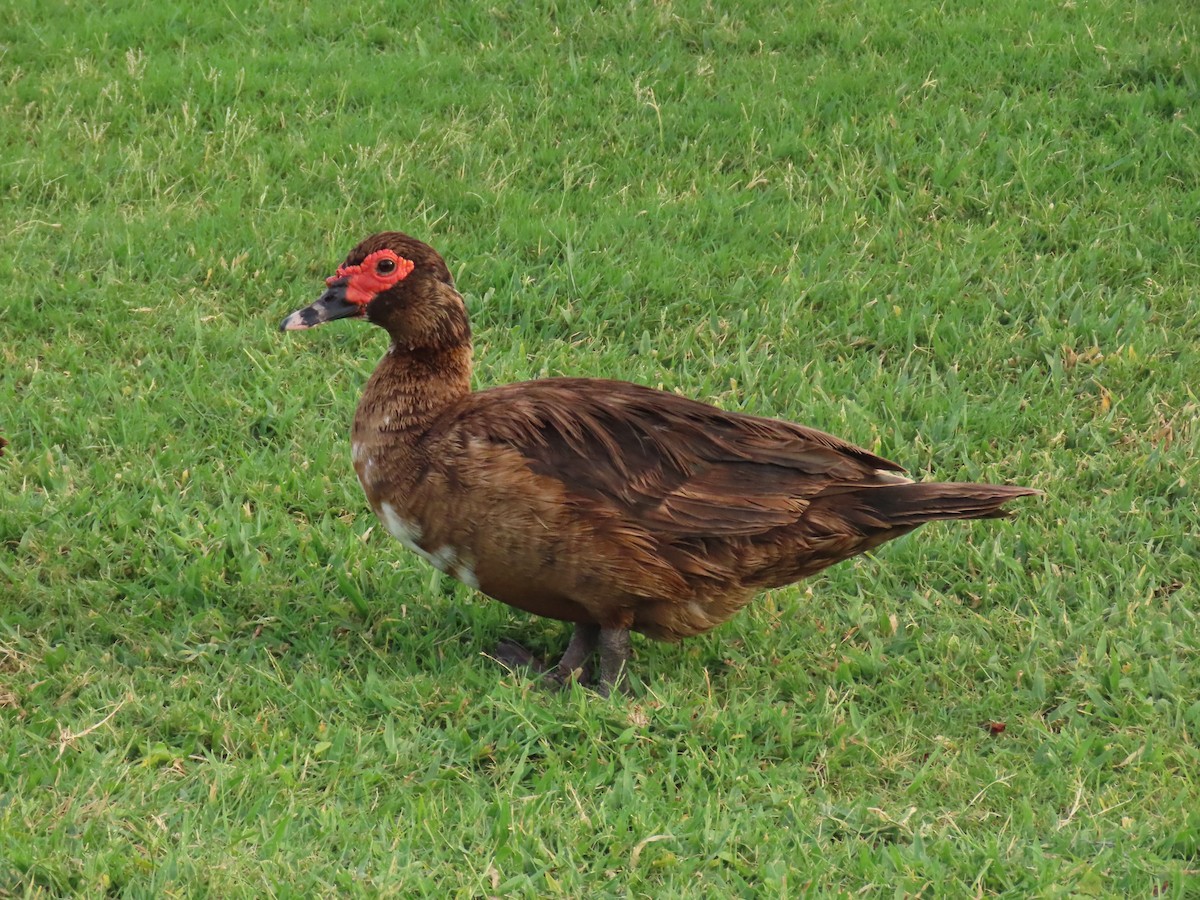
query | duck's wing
[673, 466]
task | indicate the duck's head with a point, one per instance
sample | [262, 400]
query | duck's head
[398, 283]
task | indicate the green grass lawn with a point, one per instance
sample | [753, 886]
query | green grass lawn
[962, 235]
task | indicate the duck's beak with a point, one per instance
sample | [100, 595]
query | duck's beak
[329, 306]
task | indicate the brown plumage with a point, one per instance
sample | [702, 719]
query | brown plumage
[603, 503]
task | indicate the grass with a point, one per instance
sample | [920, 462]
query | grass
[964, 238]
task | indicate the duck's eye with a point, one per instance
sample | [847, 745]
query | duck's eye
[385, 266]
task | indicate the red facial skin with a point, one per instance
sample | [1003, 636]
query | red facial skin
[377, 273]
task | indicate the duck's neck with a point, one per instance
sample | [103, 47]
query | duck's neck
[407, 391]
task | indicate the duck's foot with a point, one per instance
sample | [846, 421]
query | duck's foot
[575, 664]
[576, 661]
[515, 656]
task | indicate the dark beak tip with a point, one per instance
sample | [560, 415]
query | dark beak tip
[297, 321]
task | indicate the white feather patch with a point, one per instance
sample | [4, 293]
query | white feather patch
[467, 576]
[444, 559]
[406, 532]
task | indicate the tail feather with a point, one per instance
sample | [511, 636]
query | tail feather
[910, 505]
[843, 523]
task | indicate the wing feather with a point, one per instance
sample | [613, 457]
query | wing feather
[672, 465]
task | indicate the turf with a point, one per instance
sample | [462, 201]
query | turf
[962, 235]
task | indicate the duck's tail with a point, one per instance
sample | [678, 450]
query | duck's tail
[840, 524]
[909, 505]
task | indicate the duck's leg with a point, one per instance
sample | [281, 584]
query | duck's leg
[578, 655]
[614, 660]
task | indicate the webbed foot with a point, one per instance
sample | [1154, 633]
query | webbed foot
[514, 656]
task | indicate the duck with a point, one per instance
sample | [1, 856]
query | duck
[608, 505]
